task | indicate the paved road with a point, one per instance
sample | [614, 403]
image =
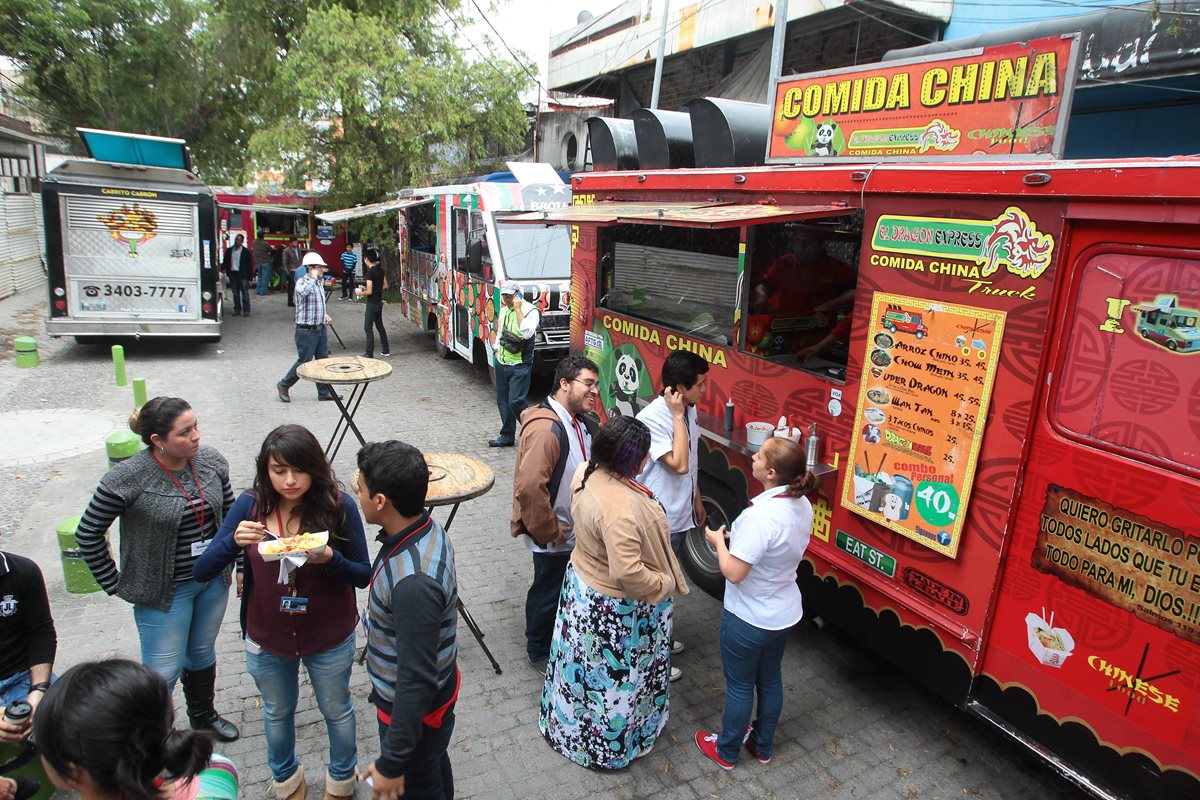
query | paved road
[852, 727]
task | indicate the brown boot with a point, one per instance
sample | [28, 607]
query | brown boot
[294, 788]
[339, 790]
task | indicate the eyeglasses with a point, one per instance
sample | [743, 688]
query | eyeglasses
[591, 385]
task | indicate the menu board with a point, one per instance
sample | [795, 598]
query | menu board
[927, 379]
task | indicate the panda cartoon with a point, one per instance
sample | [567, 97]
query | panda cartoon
[823, 139]
[624, 391]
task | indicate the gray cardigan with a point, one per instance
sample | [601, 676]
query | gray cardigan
[150, 507]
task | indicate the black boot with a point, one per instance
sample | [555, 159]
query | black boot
[199, 690]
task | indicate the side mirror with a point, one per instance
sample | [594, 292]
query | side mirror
[475, 256]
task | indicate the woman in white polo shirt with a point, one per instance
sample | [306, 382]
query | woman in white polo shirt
[762, 601]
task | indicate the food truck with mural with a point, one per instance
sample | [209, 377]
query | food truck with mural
[1009, 458]
[131, 242]
[457, 250]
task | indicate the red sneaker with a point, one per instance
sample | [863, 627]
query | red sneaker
[707, 742]
[748, 743]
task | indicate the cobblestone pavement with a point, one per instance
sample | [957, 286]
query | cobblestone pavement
[852, 727]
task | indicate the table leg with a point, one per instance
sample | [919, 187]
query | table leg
[336, 336]
[347, 421]
[462, 609]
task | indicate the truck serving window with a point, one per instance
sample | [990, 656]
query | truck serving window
[535, 252]
[802, 280]
[469, 229]
[1129, 377]
[680, 277]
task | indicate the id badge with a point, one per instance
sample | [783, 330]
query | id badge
[293, 605]
[198, 548]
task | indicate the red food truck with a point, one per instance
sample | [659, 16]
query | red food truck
[1011, 466]
[276, 217]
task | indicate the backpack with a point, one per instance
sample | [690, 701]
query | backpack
[590, 421]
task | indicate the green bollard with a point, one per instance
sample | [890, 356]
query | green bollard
[26, 349]
[121, 445]
[76, 574]
[119, 364]
[139, 392]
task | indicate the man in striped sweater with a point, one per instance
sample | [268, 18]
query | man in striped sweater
[412, 610]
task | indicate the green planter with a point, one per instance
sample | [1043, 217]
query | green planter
[76, 574]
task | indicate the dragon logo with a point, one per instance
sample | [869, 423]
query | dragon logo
[1017, 243]
[130, 226]
[939, 136]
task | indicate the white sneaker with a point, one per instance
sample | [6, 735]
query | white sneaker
[676, 674]
[677, 647]
[386, 355]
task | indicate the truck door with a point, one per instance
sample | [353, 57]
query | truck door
[1097, 623]
[471, 294]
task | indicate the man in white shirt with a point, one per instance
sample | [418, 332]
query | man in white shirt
[556, 437]
[674, 443]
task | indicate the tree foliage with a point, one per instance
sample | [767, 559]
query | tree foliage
[364, 96]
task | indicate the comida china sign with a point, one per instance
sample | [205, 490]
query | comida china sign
[1007, 101]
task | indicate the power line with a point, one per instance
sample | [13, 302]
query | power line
[506, 47]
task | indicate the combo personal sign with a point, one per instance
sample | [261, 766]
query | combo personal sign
[1004, 101]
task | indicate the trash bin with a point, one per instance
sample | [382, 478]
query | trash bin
[76, 574]
[26, 349]
[121, 445]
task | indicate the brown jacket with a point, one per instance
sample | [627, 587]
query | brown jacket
[622, 542]
[537, 453]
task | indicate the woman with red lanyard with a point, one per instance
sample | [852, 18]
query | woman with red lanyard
[762, 600]
[310, 616]
[605, 698]
[170, 498]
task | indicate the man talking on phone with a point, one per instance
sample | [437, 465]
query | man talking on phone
[512, 349]
[674, 441]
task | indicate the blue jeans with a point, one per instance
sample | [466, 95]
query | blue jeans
[184, 636]
[264, 279]
[310, 344]
[541, 604]
[512, 385]
[278, 681]
[241, 291]
[752, 658]
[16, 687]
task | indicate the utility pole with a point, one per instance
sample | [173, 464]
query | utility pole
[662, 46]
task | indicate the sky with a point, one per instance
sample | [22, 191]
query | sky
[528, 24]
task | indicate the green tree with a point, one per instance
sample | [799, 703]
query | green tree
[378, 96]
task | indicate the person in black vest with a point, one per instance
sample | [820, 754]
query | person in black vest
[556, 437]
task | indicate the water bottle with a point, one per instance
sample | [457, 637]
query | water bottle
[812, 448]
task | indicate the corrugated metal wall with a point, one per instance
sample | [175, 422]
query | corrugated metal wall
[20, 243]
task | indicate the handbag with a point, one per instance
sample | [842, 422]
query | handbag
[512, 342]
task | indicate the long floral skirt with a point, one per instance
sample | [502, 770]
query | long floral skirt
[605, 699]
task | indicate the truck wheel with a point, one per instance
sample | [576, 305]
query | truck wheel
[1172, 346]
[698, 557]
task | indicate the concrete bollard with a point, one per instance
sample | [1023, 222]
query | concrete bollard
[119, 364]
[139, 392]
[26, 349]
[76, 574]
[120, 446]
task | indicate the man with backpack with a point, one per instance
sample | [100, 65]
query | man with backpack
[556, 437]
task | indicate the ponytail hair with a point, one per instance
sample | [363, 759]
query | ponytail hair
[787, 459]
[619, 446]
[114, 720]
[158, 415]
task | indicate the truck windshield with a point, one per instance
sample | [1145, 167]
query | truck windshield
[534, 252]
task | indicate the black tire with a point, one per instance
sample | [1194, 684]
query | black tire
[89, 340]
[443, 351]
[697, 556]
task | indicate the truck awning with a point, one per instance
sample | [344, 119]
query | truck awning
[697, 215]
[371, 209]
[266, 208]
[134, 148]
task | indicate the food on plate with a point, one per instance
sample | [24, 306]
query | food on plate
[880, 396]
[880, 358]
[884, 340]
[875, 416]
[294, 544]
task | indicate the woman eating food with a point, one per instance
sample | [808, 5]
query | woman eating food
[303, 615]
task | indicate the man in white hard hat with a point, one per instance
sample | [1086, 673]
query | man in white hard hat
[312, 337]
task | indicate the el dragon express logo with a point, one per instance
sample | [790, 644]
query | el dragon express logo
[972, 249]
